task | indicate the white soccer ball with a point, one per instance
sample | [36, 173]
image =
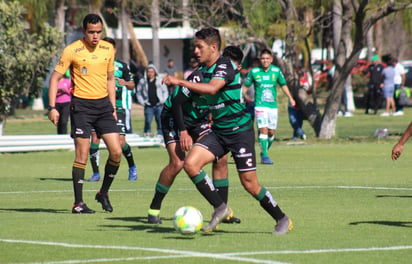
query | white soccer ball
[188, 220]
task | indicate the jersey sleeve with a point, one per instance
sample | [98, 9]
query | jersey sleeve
[181, 96]
[281, 79]
[224, 70]
[64, 62]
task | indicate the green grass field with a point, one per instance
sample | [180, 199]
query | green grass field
[349, 202]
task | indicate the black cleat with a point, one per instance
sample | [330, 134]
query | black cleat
[81, 208]
[154, 219]
[231, 220]
[104, 200]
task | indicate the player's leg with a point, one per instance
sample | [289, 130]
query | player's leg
[272, 125]
[126, 149]
[94, 155]
[165, 181]
[197, 158]
[266, 200]
[262, 125]
[221, 182]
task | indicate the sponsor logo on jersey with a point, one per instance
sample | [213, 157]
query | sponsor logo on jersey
[77, 50]
[216, 107]
[222, 66]
[220, 73]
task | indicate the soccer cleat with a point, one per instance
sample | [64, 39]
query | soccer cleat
[283, 226]
[217, 217]
[266, 160]
[81, 208]
[133, 173]
[95, 177]
[104, 200]
[154, 219]
[230, 219]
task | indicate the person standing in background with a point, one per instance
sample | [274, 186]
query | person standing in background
[152, 93]
[399, 84]
[63, 98]
[171, 70]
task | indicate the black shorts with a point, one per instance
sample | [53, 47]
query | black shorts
[121, 120]
[171, 134]
[86, 114]
[240, 144]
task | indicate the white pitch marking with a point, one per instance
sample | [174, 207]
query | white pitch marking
[181, 253]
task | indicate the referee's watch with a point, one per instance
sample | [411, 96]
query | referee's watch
[51, 107]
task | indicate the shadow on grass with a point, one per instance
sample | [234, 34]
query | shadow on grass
[393, 196]
[141, 224]
[36, 210]
[56, 179]
[387, 223]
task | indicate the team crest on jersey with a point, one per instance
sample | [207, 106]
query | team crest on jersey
[84, 70]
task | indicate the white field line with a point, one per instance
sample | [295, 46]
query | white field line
[194, 189]
[233, 256]
[178, 253]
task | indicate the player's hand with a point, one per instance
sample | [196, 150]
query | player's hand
[397, 151]
[292, 102]
[54, 116]
[170, 80]
[115, 115]
[186, 140]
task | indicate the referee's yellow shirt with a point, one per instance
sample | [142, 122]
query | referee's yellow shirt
[88, 68]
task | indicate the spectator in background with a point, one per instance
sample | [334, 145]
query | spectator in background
[151, 93]
[171, 70]
[63, 98]
[388, 85]
[193, 64]
[295, 113]
[374, 93]
[399, 84]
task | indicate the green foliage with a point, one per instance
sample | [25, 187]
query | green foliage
[24, 57]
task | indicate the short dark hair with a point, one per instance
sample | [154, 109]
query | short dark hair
[234, 53]
[110, 40]
[91, 19]
[266, 51]
[210, 35]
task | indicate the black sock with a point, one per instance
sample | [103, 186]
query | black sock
[269, 204]
[160, 193]
[127, 152]
[94, 157]
[78, 170]
[205, 186]
[222, 187]
[110, 171]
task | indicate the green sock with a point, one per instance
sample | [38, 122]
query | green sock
[271, 139]
[263, 141]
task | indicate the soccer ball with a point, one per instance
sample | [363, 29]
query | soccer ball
[188, 220]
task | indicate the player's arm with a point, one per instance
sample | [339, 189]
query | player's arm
[186, 140]
[127, 79]
[111, 89]
[398, 148]
[53, 87]
[287, 93]
[203, 88]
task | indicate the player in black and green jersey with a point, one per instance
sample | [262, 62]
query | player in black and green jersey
[232, 131]
[184, 120]
[124, 80]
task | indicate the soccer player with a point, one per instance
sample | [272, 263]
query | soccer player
[232, 130]
[93, 105]
[265, 79]
[184, 120]
[398, 148]
[124, 83]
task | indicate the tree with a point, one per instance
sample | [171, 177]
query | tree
[24, 57]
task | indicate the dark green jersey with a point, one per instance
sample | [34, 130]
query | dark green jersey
[123, 95]
[189, 106]
[228, 111]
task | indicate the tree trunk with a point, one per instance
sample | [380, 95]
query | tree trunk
[155, 20]
[141, 58]
[125, 39]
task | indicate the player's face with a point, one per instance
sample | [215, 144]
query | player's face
[266, 60]
[93, 34]
[203, 51]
